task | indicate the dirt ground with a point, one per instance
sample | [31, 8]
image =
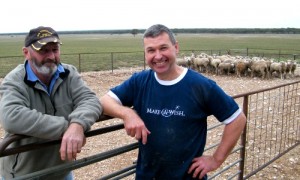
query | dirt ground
[286, 167]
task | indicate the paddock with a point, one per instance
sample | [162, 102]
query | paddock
[272, 131]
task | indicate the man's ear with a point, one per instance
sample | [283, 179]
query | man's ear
[177, 47]
[26, 52]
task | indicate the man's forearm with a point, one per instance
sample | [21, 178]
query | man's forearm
[231, 134]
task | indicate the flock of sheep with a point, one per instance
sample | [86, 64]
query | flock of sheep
[239, 65]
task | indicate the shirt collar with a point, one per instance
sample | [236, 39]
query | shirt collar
[32, 77]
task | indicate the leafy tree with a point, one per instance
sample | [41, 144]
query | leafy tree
[134, 32]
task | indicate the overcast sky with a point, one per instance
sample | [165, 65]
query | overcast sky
[22, 15]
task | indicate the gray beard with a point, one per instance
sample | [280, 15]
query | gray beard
[44, 69]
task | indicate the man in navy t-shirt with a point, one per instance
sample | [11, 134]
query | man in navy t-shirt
[166, 109]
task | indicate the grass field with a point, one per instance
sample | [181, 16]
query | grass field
[98, 43]
[93, 52]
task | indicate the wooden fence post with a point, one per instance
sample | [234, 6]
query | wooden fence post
[112, 61]
[79, 62]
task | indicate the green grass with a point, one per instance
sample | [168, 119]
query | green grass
[93, 43]
[94, 52]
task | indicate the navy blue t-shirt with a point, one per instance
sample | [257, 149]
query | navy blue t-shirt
[175, 112]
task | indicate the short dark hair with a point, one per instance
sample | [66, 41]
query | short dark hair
[157, 29]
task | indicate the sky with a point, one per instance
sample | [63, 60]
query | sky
[68, 15]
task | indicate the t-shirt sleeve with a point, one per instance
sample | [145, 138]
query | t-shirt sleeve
[221, 105]
[125, 91]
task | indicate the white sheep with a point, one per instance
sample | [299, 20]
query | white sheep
[182, 62]
[258, 66]
[201, 64]
[186, 61]
[279, 68]
[225, 67]
[214, 63]
[288, 66]
[294, 67]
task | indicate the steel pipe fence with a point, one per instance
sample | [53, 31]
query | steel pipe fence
[86, 62]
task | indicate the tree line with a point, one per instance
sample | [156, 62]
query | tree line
[241, 30]
[187, 30]
[197, 31]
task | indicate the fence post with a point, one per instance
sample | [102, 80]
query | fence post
[247, 51]
[79, 62]
[244, 138]
[279, 54]
[112, 61]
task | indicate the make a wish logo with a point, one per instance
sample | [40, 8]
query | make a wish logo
[166, 112]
